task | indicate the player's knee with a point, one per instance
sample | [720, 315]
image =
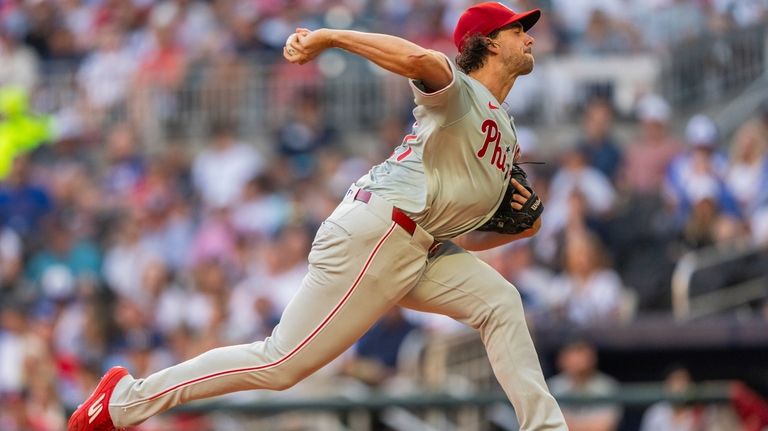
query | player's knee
[285, 379]
[504, 307]
[510, 303]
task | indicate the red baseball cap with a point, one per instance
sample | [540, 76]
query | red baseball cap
[485, 18]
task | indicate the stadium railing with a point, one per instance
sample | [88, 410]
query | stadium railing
[718, 279]
[428, 411]
[708, 68]
[259, 94]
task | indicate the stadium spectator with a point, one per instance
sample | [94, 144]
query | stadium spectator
[126, 261]
[698, 173]
[220, 171]
[598, 143]
[579, 375]
[107, 73]
[670, 22]
[747, 173]
[305, 134]
[124, 167]
[603, 36]
[588, 291]
[20, 64]
[261, 211]
[11, 264]
[684, 416]
[160, 73]
[135, 342]
[648, 157]
[708, 225]
[576, 176]
[579, 197]
[13, 373]
[65, 263]
[533, 280]
[575, 16]
[258, 301]
[168, 229]
[376, 355]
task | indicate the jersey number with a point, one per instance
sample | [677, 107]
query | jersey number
[407, 150]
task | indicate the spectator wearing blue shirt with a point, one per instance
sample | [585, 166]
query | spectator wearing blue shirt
[23, 204]
[64, 263]
[699, 173]
[377, 352]
[598, 144]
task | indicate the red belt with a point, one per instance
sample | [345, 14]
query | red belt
[398, 216]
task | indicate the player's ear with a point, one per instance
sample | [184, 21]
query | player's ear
[492, 45]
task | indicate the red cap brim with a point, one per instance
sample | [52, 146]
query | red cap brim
[526, 19]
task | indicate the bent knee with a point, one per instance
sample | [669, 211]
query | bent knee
[284, 379]
[505, 306]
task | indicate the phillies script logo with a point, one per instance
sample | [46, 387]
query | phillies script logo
[493, 136]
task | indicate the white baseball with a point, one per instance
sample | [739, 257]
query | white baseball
[288, 41]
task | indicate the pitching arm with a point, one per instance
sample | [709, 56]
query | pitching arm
[394, 54]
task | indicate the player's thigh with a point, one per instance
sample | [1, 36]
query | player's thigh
[358, 268]
[459, 285]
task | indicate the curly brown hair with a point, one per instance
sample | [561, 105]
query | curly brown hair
[474, 51]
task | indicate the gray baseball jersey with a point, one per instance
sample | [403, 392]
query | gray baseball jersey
[451, 172]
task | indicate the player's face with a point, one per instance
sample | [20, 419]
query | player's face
[517, 50]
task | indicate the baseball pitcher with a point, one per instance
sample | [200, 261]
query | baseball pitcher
[399, 236]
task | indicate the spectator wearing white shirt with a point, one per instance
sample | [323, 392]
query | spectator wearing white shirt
[261, 211]
[587, 291]
[517, 263]
[12, 349]
[19, 63]
[126, 261]
[220, 171]
[257, 303]
[106, 75]
[747, 172]
[576, 179]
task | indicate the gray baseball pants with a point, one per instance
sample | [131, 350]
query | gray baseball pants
[361, 264]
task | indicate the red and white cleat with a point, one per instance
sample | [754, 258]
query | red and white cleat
[93, 414]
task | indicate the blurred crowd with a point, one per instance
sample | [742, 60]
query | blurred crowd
[115, 252]
[115, 44]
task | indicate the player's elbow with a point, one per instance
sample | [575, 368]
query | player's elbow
[414, 65]
[533, 230]
[285, 380]
[430, 68]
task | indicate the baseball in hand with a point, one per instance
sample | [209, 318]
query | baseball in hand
[288, 42]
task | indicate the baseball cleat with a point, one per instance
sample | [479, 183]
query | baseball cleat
[93, 414]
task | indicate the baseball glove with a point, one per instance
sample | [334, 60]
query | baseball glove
[509, 220]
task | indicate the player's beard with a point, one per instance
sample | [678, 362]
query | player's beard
[521, 65]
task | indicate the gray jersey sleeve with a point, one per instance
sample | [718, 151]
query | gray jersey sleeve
[447, 104]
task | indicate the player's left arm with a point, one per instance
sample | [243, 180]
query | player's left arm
[484, 240]
[392, 53]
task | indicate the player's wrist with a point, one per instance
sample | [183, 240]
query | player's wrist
[329, 38]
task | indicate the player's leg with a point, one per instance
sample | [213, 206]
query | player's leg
[459, 285]
[360, 265]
